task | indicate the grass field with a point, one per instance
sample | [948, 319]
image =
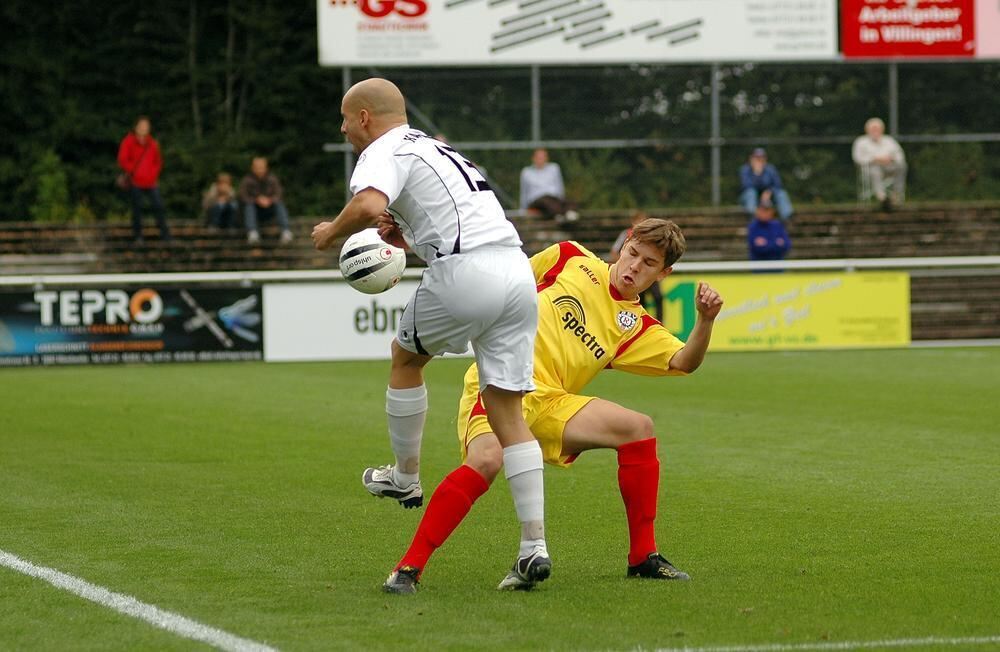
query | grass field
[813, 497]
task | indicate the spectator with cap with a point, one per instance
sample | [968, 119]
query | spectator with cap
[761, 187]
[767, 205]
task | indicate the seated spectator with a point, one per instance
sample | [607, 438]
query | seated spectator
[651, 296]
[761, 186]
[882, 161]
[767, 237]
[542, 189]
[261, 194]
[220, 202]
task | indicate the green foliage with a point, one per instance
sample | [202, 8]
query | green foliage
[955, 171]
[83, 214]
[51, 191]
[223, 81]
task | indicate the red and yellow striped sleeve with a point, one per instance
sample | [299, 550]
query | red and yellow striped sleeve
[550, 262]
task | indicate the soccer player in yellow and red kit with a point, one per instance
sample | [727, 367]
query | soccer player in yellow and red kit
[589, 319]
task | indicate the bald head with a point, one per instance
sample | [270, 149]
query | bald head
[380, 97]
[371, 108]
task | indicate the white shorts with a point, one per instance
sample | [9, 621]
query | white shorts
[487, 297]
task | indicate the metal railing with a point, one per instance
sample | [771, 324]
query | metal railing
[715, 141]
[917, 265]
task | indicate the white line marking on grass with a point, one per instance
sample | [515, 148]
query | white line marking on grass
[129, 606]
[843, 645]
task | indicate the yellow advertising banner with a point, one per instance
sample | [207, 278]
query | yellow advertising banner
[796, 311]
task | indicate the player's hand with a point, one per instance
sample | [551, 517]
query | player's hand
[389, 231]
[323, 235]
[708, 303]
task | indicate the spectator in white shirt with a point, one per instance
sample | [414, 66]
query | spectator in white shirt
[542, 189]
[882, 160]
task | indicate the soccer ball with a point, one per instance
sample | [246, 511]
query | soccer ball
[370, 265]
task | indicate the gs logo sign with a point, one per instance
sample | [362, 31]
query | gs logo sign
[383, 8]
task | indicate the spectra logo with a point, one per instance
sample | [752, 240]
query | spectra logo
[385, 8]
[575, 322]
[571, 306]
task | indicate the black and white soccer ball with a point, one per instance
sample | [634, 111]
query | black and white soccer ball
[370, 265]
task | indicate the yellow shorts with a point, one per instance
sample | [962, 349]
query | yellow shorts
[546, 411]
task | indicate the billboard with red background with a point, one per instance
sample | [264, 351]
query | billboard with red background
[907, 28]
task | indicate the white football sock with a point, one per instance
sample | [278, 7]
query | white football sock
[407, 410]
[522, 465]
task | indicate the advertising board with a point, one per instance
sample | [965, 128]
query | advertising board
[110, 325]
[795, 311]
[907, 28]
[505, 32]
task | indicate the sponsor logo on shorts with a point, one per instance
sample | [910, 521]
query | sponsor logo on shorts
[575, 322]
[626, 320]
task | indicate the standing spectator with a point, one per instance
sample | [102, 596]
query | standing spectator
[261, 194]
[760, 185]
[882, 162]
[140, 161]
[651, 295]
[220, 202]
[542, 188]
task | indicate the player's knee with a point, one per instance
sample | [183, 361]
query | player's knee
[407, 362]
[640, 427]
[486, 457]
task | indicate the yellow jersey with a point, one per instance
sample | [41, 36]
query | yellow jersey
[585, 325]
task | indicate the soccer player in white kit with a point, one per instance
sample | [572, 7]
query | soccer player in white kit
[478, 288]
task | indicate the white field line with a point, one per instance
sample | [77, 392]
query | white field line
[843, 645]
[129, 606]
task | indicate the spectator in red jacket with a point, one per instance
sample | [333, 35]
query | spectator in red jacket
[140, 160]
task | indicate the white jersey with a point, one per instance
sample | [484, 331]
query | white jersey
[441, 202]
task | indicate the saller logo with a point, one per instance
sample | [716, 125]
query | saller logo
[575, 321]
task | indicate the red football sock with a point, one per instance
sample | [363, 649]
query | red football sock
[449, 504]
[639, 481]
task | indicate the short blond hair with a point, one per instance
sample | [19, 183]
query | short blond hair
[662, 234]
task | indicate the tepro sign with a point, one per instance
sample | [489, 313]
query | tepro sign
[86, 307]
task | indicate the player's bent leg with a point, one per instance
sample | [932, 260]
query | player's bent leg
[522, 460]
[603, 424]
[406, 410]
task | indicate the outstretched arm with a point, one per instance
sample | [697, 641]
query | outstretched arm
[363, 209]
[708, 303]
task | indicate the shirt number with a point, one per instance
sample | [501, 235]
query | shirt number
[458, 162]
